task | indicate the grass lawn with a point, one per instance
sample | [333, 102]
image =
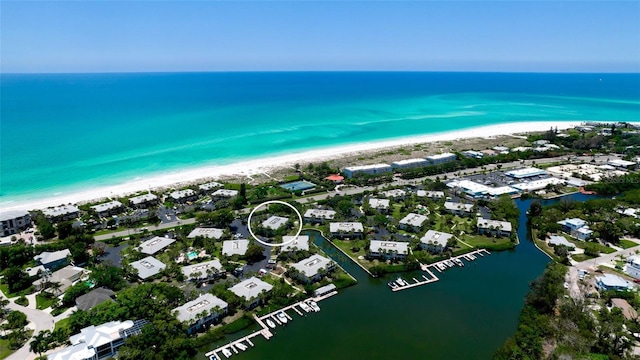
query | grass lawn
[601, 248]
[485, 242]
[4, 348]
[625, 244]
[62, 324]
[396, 214]
[43, 301]
[581, 257]
[5, 290]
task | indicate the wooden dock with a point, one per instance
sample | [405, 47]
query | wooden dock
[265, 331]
[432, 277]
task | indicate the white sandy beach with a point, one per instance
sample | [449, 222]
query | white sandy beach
[268, 164]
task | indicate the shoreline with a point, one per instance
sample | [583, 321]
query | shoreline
[259, 166]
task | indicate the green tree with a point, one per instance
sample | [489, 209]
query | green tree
[109, 276]
[254, 253]
[40, 342]
[16, 279]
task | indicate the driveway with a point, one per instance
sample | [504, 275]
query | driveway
[38, 321]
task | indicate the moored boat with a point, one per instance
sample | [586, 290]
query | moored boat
[305, 307]
[282, 317]
[313, 305]
[226, 352]
[241, 346]
[271, 324]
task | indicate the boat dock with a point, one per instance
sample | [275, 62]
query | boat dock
[232, 348]
[440, 266]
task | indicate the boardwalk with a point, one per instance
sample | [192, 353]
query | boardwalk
[440, 266]
[265, 331]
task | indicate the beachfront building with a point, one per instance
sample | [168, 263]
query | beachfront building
[313, 268]
[235, 247]
[557, 240]
[395, 194]
[108, 208]
[521, 149]
[209, 233]
[148, 267]
[409, 164]
[388, 249]
[494, 227]
[203, 311]
[275, 222]
[14, 221]
[221, 194]
[608, 282]
[98, 342]
[412, 222]
[52, 260]
[441, 158]
[374, 169]
[250, 290]
[143, 201]
[577, 228]
[293, 243]
[501, 149]
[632, 268]
[94, 298]
[65, 277]
[204, 271]
[210, 186]
[316, 216]
[433, 195]
[155, 244]
[435, 241]
[183, 196]
[525, 173]
[472, 154]
[346, 229]
[381, 205]
[458, 209]
[62, 213]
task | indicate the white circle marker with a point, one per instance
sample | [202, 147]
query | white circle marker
[274, 202]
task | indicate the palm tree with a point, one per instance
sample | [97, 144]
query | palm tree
[40, 342]
[55, 287]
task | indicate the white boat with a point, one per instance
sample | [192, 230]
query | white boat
[313, 305]
[305, 307]
[400, 282]
[241, 346]
[226, 352]
[213, 357]
[458, 262]
[271, 324]
[449, 263]
[282, 317]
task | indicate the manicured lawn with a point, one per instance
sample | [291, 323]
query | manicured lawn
[481, 241]
[396, 212]
[625, 244]
[5, 290]
[62, 324]
[601, 248]
[4, 348]
[581, 257]
[43, 301]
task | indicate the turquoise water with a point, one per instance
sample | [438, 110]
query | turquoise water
[66, 132]
[192, 255]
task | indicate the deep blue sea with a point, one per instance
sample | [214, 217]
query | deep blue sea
[63, 132]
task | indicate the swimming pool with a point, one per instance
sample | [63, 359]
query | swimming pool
[192, 255]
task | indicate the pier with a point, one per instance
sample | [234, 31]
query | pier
[232, 347]
[440, 266]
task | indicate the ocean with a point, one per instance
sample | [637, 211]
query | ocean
[62, 133]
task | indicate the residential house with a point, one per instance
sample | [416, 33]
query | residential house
[221, 194]
[210, 186]
[459, 209]
[94, 298]
[346, 229]
[202, 311]
[204, 271]
[395, 194]
[250, 290]
[62, 213]
[292, 243]
[494, 227]
[441, 158]
[412, 222]
[318, 215]
[148, 267]
[435, 241]
[572, 227]
[98, 342]
[210, 233]
[108, 208]
[64, 277]
[311, 269]
[183, 196]
[556, 240]
[374, 169]
[155, 244]
[235, 247]
[433, 195]
[472, 154]
[275, 222]
[388, 249]
[381, 205]
[612, 282]
[14, 221]
[52, 260]
[632, 268]
[143, 201]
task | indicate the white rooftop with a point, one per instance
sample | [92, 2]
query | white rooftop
[610, 280]
[436, 238]
[107, 206]
[452, 206]
[379, 203]
[235, 247]
[47, 257]
[140, 199]
[148, 267]
[155, 244]
[301, 243]
[211, 233]
[213, 265]
[394, 193]
[347, 227]
[320, 214]
[60, 210]
[560, 240]
[84, 345]
[441, 156]
[275, 222]
[573, 222]
[206, 302]
[430, 194]
[389, 246]
[12, 214]
[210, 186]
[368, 167]
[312, 265]
[498, 225]
[413, 219]
[180, 194]
[409, 162]
[525, 172]
[225, 193]
[250, 288]
[621, 163]
[537, 184]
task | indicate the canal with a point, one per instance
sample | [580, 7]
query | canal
[468, 314]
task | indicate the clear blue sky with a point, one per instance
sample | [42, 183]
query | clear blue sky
[108, 36]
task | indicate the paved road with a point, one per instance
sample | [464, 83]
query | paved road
[167, 225]
[38, 321]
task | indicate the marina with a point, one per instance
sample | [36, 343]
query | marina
[267, 323]
[440, 266]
